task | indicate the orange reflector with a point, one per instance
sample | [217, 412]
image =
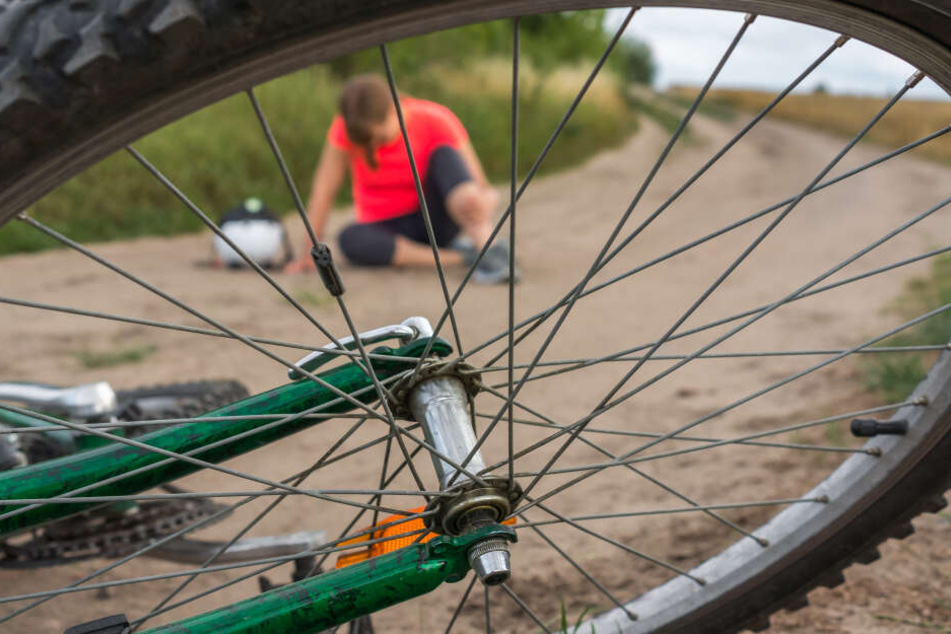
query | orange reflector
[389, 536]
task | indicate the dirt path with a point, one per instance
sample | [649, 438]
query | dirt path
[562, 222]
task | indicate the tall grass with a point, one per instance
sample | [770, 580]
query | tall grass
[907, 121]
[219, 155]
[894, 376]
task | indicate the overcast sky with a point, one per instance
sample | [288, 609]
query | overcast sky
[687, 44]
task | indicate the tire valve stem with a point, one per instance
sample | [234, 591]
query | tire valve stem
[329, 274]
[868, 428]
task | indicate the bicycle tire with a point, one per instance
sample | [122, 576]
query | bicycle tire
[172, 46]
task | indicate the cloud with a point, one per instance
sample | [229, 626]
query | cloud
[688, 43]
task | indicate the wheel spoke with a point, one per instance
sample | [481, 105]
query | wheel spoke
[180, 533]
[191, 329]
[655, 481]
[566, 429]
[149, 287]
[543, 315]
[772, 307]
[563, 122]
[212, 569]
[760, 309]
[513, 199]
[186, 456]
[375, 498]
[527, 610]
[282, 164]
[182, 457]
[607, 593]
[383, 470]
[167, 422]
[627, 457]
[741, 440]
[570, 365]
[251, 524]
[644, 434]
[579, 288]
[763, 235]
[382, 393]
[421, 196]
[839, 42]
[675, 511]
[604, 538]
[606, 403]
[461, 604]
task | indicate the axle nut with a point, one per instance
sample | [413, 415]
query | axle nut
[491, 560]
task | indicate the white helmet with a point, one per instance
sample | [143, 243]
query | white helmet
[257, 231]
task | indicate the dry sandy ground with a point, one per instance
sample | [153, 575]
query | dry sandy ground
[562, 221]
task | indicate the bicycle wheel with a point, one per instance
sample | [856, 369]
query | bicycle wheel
[81, 80]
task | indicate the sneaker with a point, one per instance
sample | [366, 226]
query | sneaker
[494, 266]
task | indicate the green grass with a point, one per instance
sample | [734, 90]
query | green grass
[94, 360]
[894, 376]
[219, 155]
[565, 627]
[310, 298]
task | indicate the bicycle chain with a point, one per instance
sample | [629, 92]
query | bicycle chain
[105, 533]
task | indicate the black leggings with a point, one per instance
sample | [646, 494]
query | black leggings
[374, 243]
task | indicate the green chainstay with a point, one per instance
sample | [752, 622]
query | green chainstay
[336, 597]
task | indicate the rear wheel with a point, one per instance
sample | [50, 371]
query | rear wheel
[80, 81]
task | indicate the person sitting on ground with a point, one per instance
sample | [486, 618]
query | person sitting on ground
[390, 229]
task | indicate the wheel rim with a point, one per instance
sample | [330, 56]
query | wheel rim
[780, 9]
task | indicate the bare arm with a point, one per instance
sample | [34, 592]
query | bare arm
[323, 190]
[472, 162]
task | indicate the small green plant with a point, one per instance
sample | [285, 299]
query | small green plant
[307, 297]
[835, 435]
[92, 360]
[565, 628]
[894, 376]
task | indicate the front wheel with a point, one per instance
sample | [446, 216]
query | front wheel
[635, 484]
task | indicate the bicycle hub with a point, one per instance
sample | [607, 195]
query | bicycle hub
[439, 400]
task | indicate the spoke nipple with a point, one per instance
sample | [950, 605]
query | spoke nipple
[630, 614]
[841, 40]
[923, 400]
[762, 542]
[700, 580]
[824, 499]
[914, 79]
[329, 274]
[22, 216]
[875, 452]
[750, 17]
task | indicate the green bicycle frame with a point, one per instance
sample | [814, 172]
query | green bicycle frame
[130, 470]
[322, 602]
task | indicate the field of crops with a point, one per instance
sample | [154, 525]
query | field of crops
[907, 121]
